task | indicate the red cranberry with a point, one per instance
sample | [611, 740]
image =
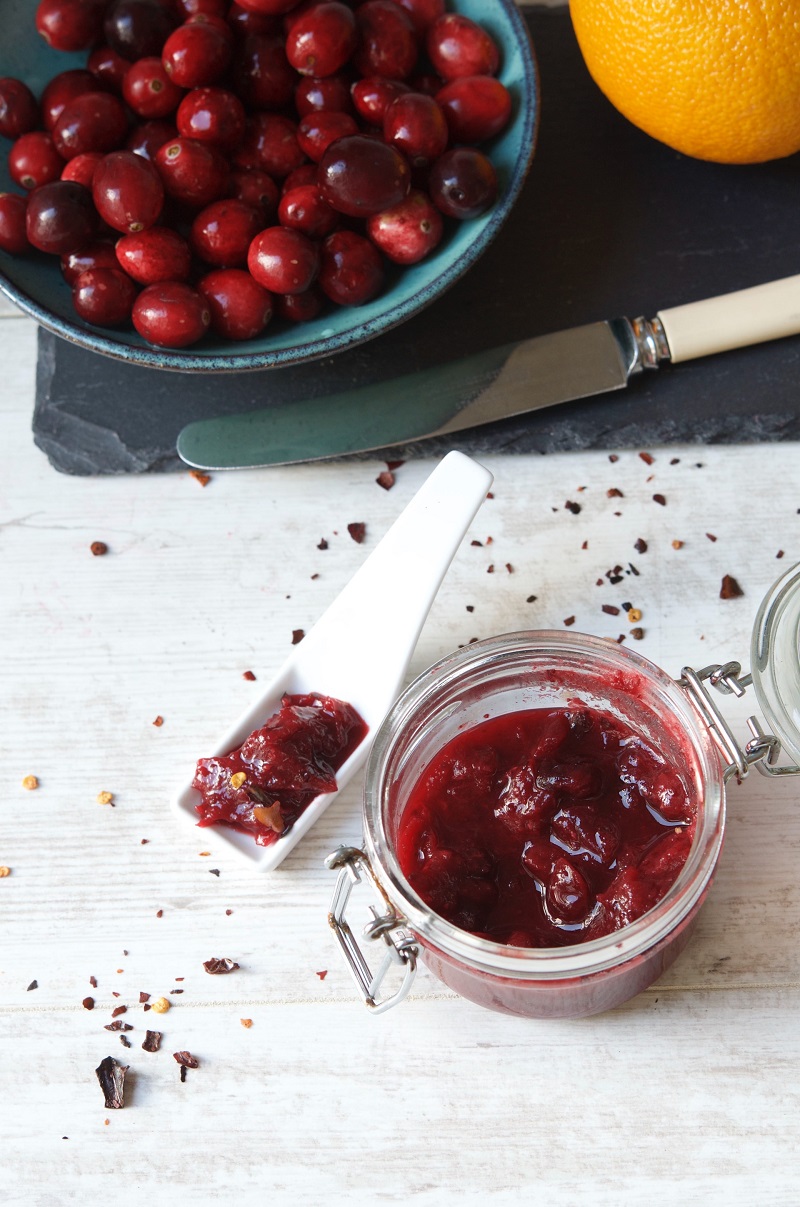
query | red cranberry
[458, 46]
[33, 160]
[13, 237]
[193, 172]
[70, 24]
[148, 89]
[271, 145]
[222, 233]
[317, 131]
[206, 8]
[409, 231]
[108, 68]
[303, 210]
[264, 77]
[244, 21]
[137, 29]
[197, 54]
[351, 268]
[146, 139]
[283, 260]
[258, 190]
[299, 307]
[322, 40]
[240, 307]
[99, 254]
[19, 112]
[360, 175]
[62, 89]
[95, 121]
[387, 41]
[426, 82]
[305, 174]
[373, 95]
[212, 115]
[313, 95]
[104, 296]
[476, 107]
[422, 12]
[81, 168]
[60, 217]
[463, 183]
[415, 124]
[127, 192]
[271, 8]
[154, 255]
[171, 315]
[567, 894]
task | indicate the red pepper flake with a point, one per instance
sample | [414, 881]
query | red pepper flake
[322, 974]
[490, 494]
[118, 1025]
[394, 464]
[314, 577]
[98, 548]
[220, 965]
[143, 997]
[246, 1022]
[637, 633]
[186, 1060]
[509, 567]
[640, 546]
[386, 479]
[176, 991]
[228, 913]
[123, 1039]
[675, 461]
[88, 1003]
[477, 544]
[490, 540]
[33, 985]
[585, 545]
[730, 589]
[297, 636]
[662, 502]
[111, 1075]
[323, 544]
[611, 609]
[214, 871]
[249, 676]
[152, 1041]
[115, 1013]
[159, 721]
[569, 620]
[711, 536]
[93, 982]
[779, 554]
[677, 544]
[159, 913]
[648, 458]
[620, 639]
[613, 457]
[357, 531]
[573, 507]
[614, 493]
[203, 479]
[531, 599]
[599, 582]
[114, 993]
[490, 568]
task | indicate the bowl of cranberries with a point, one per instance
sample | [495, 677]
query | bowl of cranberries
[205, 185]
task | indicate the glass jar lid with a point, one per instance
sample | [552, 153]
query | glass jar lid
[775, 660]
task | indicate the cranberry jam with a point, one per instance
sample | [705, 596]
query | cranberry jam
[546, 827]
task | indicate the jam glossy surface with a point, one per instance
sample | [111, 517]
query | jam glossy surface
[264, 785]
[546, 827]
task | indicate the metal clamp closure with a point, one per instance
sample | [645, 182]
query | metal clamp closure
[401, 949]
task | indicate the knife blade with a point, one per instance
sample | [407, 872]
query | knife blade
[493, 384]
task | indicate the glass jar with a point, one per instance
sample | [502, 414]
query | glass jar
[546, 669]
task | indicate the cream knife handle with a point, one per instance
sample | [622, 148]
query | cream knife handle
[734, 320]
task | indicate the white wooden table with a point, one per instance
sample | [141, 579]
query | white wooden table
[688, 1094]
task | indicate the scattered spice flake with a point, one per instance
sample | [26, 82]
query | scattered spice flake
[531, 599]
[620, 639]
[573, 507]
[386, 479]
[143, 997]
[186, 1060]
[470, 607]
[159, 721]
[477, 544]
[111, 1075]
[637, 633]
[297, 636]
[730, 589]
[123, 1039]
[626, 607]
[314, 577]
[88, 1003]
[358, 531]
[662, 502]
[33, 985]
[180, 978]
[176, 991]
[4, 871]
[98, 548]
[322, 974]
[634, 614]
[249, 676]
[183, 1072]
[160, 1005]
[219, 965]
[152, 1041]
[117, 1025]
[611, 609]
[677, 544]
[115, 1013]
[246, 1022]
[394, 464]
[509, 568]
[159, 913]
[114, 993]
[675, 461]
[585, 545]
[30, 783]
[105, 798]
[613, 492]
[490, 540]
[202, 853]
[613, 457]
[779, 554]
[632, 569]
[711, 536]
[569, 620]
[640, 546]
[214, 871]
[93, 982]
[228, 913]
[648, 458]
[323, 544]
[203, 479]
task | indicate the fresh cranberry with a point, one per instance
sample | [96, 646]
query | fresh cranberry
[208, 8]
[317, 131]
[360, 175]
[70, 24]
[171, 315]
[60, 217]
[240, 307]
[146, 139]
[13, 237]
[212, 115]
[305, 174]
[271, 145]
[457, 46]
[426, 82]
[351, 269]
[104, 296]
[154, 255]
[423, 13]
[108, 68]
[127, 192]
[149, 90]
[244, 21]
[94, 121]
[387, 42]
[62, 89]
[221, 234]
[476, 107]
[303, 210]
[19, 112]
[415, 124]
[257, 189]
[98, 254]
[197, 53]
[373, 95]
[137, 29]
[272, 8]
[283, 260]
[193, 172]
[33, 160]
[312, 95]
[299, 307]
[322, 40]
[81, 168]
[407, 232]
[264, 77]
[463, 183]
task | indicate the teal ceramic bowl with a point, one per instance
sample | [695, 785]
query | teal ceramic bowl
[34, 282]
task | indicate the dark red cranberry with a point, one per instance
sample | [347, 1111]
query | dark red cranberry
[104, 296]
[476, 107]
[317, 131]
[13, 237]
[19, 112]
[567, 893]
[95, 121]
[33, 160]
[351, 268]
[240, 307]
[415, 124]
[245, 21]
[373, 95]
[305, 174]
[108, 68]
[127, 192]
[148, 89]
[212, 115]
[146, 139]
[457, 46]
[137, 29]
[387, 41]
[60, 217]
[426, 82]
[409, 231]
[360, 175]
[70, 24]
[221, 234]
[423, 13]
[322, 40]
[283, 260]
[272, 8]
[299, 307]
[206, 8]
[193, 172]
[98, 254]
[171, 315]
[264, 77]
[271, 145]
[303, 210]
[81, 168]
[313, 95]
[258, 190]
[463, 183]
[154, 255]
[62, 89]
[197, 53]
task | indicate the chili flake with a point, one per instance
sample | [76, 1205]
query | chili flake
[159, 721]
[98, 548]
[730, 589]
[203, 479]
[357, 531]
[386, 479]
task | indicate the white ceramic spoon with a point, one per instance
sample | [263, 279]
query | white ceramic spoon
[359, 649]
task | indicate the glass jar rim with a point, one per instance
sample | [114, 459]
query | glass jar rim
[545, 963]
[776, 678]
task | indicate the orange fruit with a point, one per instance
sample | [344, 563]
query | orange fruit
[715, 79]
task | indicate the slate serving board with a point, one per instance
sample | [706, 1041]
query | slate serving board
[610, 222]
